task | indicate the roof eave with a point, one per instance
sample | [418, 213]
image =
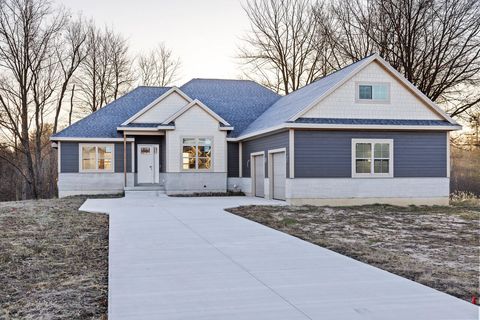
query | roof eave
[288, 125]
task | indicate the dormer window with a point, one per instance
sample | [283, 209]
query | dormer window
[373, 92]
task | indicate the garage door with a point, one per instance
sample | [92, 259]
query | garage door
[259, 174]
[279, 175]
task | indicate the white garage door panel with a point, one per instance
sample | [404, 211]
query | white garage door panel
[279, 175]
[259, 173]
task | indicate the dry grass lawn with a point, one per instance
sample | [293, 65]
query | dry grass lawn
[53, 260]
[435, 246]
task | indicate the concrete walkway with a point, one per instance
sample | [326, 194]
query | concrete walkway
[186, 258]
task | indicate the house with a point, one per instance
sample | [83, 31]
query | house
[362, 134]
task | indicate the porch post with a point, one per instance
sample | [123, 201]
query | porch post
[125, 158]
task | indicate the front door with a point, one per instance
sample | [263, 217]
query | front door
[148, 163]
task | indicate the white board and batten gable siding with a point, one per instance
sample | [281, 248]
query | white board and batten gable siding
[196, 122]
[403, 104]
[163, 109]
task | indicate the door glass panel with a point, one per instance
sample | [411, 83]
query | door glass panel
[145, 150]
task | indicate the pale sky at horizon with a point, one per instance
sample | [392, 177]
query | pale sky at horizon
[205, 33]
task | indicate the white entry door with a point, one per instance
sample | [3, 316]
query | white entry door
[148, 163]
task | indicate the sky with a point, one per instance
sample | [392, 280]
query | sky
[204, 34]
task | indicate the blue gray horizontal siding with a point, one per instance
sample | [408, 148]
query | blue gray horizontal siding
[274, 141]
[70, 157]
[119, 157]
[327, 154]
[233, 159]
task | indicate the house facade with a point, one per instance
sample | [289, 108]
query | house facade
[360, 135]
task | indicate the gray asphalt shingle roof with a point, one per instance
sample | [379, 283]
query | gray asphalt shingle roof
[104, 122]
[246, 105]
[239, 102]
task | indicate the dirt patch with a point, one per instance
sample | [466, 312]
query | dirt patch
[436, 246]
[53, 260]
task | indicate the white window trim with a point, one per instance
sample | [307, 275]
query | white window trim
[96, 145]
[371, 101]
[196, 162]
[372, 174]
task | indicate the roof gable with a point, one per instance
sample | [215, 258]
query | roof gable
[296, 104]
[161, 108]
[401, 103]
[196, 103]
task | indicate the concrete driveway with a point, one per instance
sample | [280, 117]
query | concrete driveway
[186, 258]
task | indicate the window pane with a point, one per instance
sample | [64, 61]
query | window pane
[204, 151]
[204, 163]
[104, 158]
[363, 166]
[204, 142]
[363, 150]
[382, 150]
[188, 156]
[188, 163]
[380, 92]
[88, 158]
[365, 92]
[189, 142]
[381, 166]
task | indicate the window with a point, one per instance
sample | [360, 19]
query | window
[96, 157]
[375, 92]
[372, 158]
[196, 153]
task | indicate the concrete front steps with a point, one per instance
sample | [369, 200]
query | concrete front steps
[145, 191]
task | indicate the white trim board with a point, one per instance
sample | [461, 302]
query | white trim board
[146, 129]
[90, 139]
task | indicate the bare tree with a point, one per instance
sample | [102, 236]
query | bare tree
[435, 44]
[280, 50]
[28, 35]
[159, 67]
[70, 54]
[105, 72]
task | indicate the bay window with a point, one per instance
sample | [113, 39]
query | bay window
[196, 153]
[372, 158]
[96, 157]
